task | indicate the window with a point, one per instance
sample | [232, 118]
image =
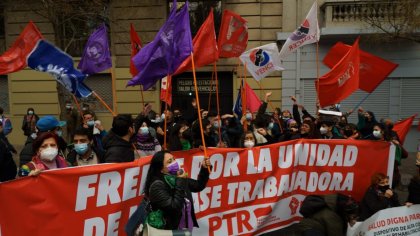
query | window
[4, 93]
[102, 85]
[199, 11]
[410, 97]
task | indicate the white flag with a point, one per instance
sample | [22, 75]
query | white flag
[261, 61]
[307, 33]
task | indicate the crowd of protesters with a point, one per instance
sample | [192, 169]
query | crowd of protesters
[87, 141]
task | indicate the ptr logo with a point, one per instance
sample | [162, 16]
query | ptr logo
[259, 57]
[301, 32]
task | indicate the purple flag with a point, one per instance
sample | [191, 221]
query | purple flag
[96, 56]
[171, 46]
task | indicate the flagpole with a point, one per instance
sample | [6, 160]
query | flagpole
[244, 107]
[114, 90]
[217, 100]
[104, 103]
[243, 94]
[361, 101]
[317, 71]
[198, 110]
[168, 84]
[77, 105]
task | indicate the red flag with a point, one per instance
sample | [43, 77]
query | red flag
[233, 35]
[402, 127]
[252, 100]
[373, 69]
[166, 87]
[135, 48]
[14, 59]
[204, 46]
[342, 80]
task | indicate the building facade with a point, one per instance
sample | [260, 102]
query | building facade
[397, 97]
[28, 88]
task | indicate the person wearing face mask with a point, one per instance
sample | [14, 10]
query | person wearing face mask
[95, 128]
[6, 123]
[381, 133]
[117, 143]
[45, 124]
[366, 121]
[170, 190]
[327, 130]
[46, 155]
[246, 120]
[84, 153]
[292, 131]
[29, 122]
[350, 132]
[146, 144]
[378, 196]
[248, 139]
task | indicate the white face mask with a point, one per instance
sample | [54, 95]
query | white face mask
[323, 130]
[249, 144]
[144, 130]
[49, 154]
[377, 134]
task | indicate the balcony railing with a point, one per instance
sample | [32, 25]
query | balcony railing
[350, 11]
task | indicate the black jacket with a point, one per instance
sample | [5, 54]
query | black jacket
[374, 201]
[414, 190]
[26, 153]
[8, 168]
[319, 217]
[171, 201]
[117, 149]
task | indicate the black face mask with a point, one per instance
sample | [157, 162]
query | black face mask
[348, 133]
[383, 188]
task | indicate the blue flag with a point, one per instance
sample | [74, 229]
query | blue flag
[47, 58]
[237, 108]
[171, 46]
[96, 56]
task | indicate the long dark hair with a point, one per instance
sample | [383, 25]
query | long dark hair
[156, 165]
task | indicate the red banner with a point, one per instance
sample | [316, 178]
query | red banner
[250, 191]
